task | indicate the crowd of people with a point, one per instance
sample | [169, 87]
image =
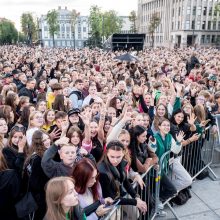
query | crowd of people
[78, 127]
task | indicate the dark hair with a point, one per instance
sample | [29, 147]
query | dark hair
[78, 81]
[82, 172]
[45, 115]
[5, 112]
[172, 119]
[10, 100]
[115, 145]
[135, 132]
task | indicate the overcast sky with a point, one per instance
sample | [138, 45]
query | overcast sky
[12, 9]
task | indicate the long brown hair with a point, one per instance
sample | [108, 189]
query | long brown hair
[200, 113]
[37, 144]
[56, 190]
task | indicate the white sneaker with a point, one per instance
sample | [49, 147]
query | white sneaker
[160, 206]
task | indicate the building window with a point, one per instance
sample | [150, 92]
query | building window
[203, 39]
[205, 11]
[194, 10]
[84, 29]
[178, 25]
[214, 25]
[79, 29]
[208, 39]
[209, 25]
[79, 35]
[45, 28]
[179, 11]
[63, 35]
[219, 25]
[203, 25]
[173, 12]
[172, 25]
[213, 39]
[193, 25]
[210, 11]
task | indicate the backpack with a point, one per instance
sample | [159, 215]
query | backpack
[78, 94]
[180, 199]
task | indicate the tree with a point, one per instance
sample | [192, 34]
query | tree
[28, 27]
[73, 18]
[111, 23]
[154, 23]
[95, 23]
[8, 32]
[133, 19]
[52, 20]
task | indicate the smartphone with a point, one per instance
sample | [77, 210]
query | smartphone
[115, 203]
[152, 138]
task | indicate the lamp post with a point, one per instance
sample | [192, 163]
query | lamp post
[193, 33]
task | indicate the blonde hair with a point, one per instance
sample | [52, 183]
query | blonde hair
[200, 113]
[126, 151]
[56, 190]
[31, 117]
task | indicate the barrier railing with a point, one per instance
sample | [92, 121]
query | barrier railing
[195, 158]
[148, 194]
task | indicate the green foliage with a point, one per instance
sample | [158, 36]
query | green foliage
[95, 21]
[28, 26]
[154, 23]
[102, 24]
[111, 23]
[216, 10]
[52, 20]
[8, 32]
[133, 20]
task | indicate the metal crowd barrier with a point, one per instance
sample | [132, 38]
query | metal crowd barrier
[148, 194]
[195, 158]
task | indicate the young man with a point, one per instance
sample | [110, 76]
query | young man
[29, 90]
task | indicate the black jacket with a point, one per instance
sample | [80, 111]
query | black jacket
[9, 192]
[29, 93]
[14, 159]
[34, 173]
[108, 178]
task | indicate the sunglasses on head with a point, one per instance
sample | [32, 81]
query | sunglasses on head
[18, 128]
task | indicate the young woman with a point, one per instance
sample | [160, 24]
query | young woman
[89, 190]
[24, 101]
[36, 121]
[7, 113]
[34, 173]
[49, 119]
[112, 177]
[14, 153]
[62, 200]
[41, 106]
[161, 111]
[3, 132]
[9, 190]
[142, 157]
[180, 179]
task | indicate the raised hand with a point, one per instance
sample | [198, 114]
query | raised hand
[22, 144]
[62, 140]
[180, 136]
[55, 133]
[191, 119]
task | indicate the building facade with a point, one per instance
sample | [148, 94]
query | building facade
[65, 37]
[183, 22]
